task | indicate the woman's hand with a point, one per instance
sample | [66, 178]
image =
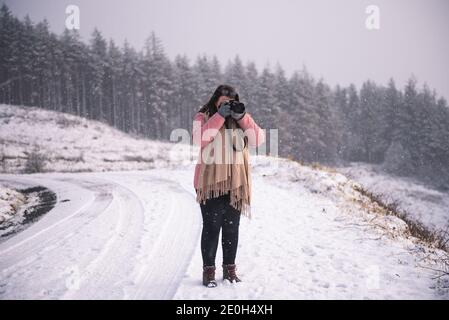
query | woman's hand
[225, 110]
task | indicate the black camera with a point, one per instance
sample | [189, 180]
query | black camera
[236, 106]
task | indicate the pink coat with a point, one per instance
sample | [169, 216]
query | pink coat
[215, 122]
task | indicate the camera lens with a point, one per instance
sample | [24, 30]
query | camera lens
[237, 106]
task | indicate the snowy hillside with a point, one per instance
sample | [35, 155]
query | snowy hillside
[73, 144]
[133, 233]
[420, 202]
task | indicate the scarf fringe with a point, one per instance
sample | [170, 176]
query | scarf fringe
[221, 188]
[240, 204]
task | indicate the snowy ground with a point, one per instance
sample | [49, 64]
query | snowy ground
[135, 234]
[306, 243]
[421, 203]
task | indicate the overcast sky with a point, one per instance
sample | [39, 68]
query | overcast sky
[328, 36]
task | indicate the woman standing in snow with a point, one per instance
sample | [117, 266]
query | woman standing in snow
[223, 184]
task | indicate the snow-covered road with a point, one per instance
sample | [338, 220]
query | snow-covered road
[135, 235]
[121, 235]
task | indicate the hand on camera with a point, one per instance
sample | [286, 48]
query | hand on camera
[225, 110]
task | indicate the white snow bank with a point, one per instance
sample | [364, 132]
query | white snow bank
[10, 202]
[420, 202]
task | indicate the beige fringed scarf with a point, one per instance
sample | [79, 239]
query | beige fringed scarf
[218, 177]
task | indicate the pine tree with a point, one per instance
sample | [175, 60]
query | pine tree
[129, 86]
[159, 76]
[281, 95]
[97, 72]
[328, 138]
[184, 93]
[9, 37]
[372, 124]
[207, 78]
[340, 102]
[303, 134]
[234, 75]
[251, 85]
[406, 120]
[113, 82]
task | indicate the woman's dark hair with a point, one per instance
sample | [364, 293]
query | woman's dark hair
[222, 90]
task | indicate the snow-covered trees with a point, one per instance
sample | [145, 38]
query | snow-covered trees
[405, 131]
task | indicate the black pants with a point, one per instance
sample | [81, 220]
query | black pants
[219, 214]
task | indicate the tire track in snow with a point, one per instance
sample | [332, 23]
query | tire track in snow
[51, 228]
[108, 270]
[160, 272]
[110, 266]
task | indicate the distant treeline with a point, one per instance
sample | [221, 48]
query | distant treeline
[147, 94]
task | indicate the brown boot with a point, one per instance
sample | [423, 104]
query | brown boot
[229, 273]
[209, 276]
